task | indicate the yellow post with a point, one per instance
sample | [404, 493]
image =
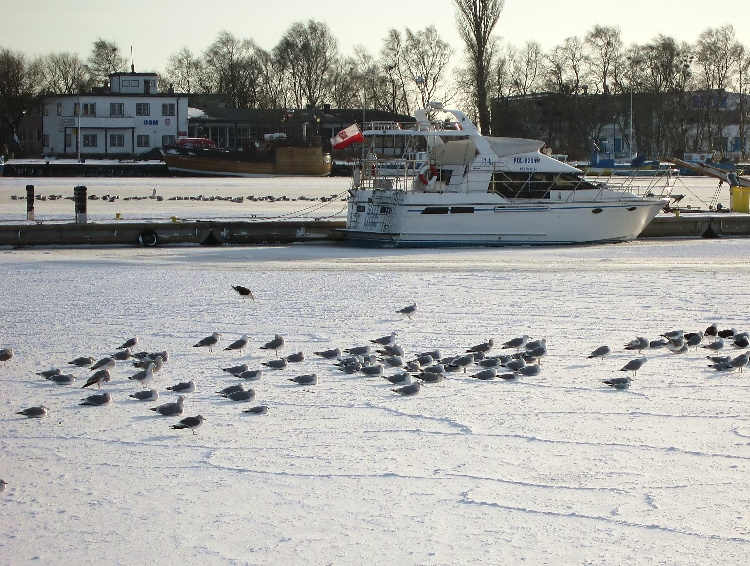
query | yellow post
[739, 199]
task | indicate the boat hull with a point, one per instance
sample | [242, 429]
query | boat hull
[288, 161]
[380, 220]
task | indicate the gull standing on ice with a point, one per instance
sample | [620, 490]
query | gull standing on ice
[640, 343]
[618, 382]
[82, 361]
[190, 422]
[105, 363]
[99, 377]
[408, 311]
[47, 373]
[145, 376]
[385, 340]
[62, 378]
[276, 344]
[634, 365]
[519, 342]
[329, 354]
[601, 352]
[252, 374]
[483, 347]
[308, 379]
[208, 342]
[236, 370]
[245, 395]
[244, 291]
[239, 344]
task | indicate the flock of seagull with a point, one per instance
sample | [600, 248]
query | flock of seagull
[380, 357]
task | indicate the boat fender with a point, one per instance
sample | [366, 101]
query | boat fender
[149, 239]
[426, 174]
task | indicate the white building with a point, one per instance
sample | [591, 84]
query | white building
[127, 118]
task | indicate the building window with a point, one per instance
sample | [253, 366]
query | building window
[75, 109]
[167, 141]
[116, 109]
[143, 140]
[45, 109]
[116, 140]
[45, 140]
[168, 109]
[68, 140]
[89, 140]
[59, 108]
[142, 109]
[89, 109]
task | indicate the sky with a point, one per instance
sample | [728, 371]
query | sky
[155, 30]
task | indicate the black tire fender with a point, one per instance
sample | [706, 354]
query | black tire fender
[149, 239]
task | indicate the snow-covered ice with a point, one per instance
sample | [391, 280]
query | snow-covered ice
[552, 469]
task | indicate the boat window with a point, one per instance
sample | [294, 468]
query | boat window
[360, 208]
[444, 175]
[462, 210]
[535, 185]
[435, 210]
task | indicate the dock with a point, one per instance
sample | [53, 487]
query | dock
[276, 232]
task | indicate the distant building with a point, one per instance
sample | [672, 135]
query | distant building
[126, 118]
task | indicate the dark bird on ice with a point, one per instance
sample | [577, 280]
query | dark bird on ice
[190, 423]
[244, 291]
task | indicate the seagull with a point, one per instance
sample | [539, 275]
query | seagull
[276, 344]
[157, 362]
[741, 342]
[244, 291]
[257, 410]
[239, 344]
[208, 341]
[385, 340]
[329, 354]
[82, 361]
[190, 422]
[236, 370]
[251, 374]
[295, 358]
[519, 342]
[47, 373]
[307, 379]
[6, 354]
[245, 395]
[463, 362]
[401, 377]
[145, 376]
[128, 343]
[35, 412]
[485, 374]
[740, 361]
[358, 350]
[618, 382]
[408, 311]
[376, 369]
[601, 352]
[634, 365]
[640, 343]
[62, 378]
[530, 370]
[171, 409]
[147, 395]
[99, 377]
[98, 400]
[231, 389]
[276, 364]
[122, 355]
[183, 387]
[411, 389]
[712, 330]
[392, 350]
[105, 363]
[393, 361]
[483, 348]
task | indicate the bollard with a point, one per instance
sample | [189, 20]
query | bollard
[79, 197]
[29, 202]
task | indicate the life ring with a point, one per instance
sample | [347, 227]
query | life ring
[148, 239]
[427, 173]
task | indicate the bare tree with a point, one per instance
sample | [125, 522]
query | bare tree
[525, 67]
[475, 20]
[344, 87]
[306, 52]
[19, 80]
[232, 67]
[62, 73]
[426, 57]
[104, 60]
[393, 93]
[182, 70]
[605, 44]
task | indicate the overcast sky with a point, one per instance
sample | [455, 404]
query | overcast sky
[155, 29]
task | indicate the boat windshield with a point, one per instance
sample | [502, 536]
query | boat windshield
[536, 185]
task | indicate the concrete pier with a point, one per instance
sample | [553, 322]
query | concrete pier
[260, 232]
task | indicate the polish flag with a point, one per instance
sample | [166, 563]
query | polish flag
[347, 137]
